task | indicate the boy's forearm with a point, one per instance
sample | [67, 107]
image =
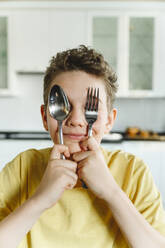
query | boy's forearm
[15, 226]
[138, 232]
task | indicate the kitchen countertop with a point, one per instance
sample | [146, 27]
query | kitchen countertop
[113, 137]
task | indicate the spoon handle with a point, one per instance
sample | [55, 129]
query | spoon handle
[61, 136]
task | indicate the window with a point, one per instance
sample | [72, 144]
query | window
[3, 53]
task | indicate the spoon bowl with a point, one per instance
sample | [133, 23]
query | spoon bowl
[59, 107]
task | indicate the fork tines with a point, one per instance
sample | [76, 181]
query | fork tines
[91, 108]
[92, 100]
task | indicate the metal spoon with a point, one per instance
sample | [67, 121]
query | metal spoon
[59, 108]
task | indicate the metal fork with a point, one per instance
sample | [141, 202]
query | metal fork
[91, 113]
[91, 108]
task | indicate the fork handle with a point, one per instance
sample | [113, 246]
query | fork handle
[89, 135]
[89, 129]
[84, 185]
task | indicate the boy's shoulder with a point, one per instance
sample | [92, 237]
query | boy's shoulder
[33, 154]
[123, 160]
[117, 154]
[27, 159]
[127, 169]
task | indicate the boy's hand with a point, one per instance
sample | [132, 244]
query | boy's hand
[59, 176]
[92, 168]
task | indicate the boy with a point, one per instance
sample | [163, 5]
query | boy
[42, 202]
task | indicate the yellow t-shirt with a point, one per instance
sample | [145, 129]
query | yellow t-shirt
[79, 219]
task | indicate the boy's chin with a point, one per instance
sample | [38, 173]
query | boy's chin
[74, 147]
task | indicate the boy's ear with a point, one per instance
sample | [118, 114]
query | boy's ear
[44, 117]
[110, 120]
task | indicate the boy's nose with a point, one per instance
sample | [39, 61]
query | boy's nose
[76, 118]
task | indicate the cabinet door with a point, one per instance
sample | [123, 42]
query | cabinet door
[67, 29]
[149, 153]
[28, 43]
[105, 31]
[3, 52]
[9, 149]
[127, 43]
[153, 154]
[162, 172]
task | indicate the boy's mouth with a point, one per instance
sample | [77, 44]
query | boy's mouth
[74, 136]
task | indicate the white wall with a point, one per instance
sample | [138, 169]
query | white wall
[144, 113]
[22, 111]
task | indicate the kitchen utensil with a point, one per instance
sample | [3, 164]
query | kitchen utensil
[91, 112]
[59, 108]
[91, 108]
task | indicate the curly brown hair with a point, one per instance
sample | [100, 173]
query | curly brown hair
[82, 59]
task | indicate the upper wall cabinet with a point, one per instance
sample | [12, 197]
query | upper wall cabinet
[130, 35]
[131, 43]
[40, 34]
[29, 39]
[67, 29]
[105, 37]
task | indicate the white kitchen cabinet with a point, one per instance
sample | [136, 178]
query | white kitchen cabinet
[162, 173]
[29, 36]
[11, 148]
[67, 29]
[3, 52]
[37, 35]
[37, 31]
[118, 34]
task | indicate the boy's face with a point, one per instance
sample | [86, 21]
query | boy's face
[75, 85]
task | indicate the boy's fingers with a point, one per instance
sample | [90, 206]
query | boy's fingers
[57, 150]
[89, 144]
[65, 163]
[78, 156]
